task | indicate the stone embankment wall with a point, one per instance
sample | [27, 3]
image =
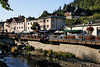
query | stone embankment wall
[80, 51]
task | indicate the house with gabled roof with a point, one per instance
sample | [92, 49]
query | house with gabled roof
[74, 12]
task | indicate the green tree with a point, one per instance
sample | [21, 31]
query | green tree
[44, 14]
[35, 24]
[70, 23]
[64, 6]
[5, 4]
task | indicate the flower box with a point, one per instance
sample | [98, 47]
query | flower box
[37, 36]
[98, 37]
[34, 36]
[72, 37]
[80, 37]
[90, 37]
[65, 37]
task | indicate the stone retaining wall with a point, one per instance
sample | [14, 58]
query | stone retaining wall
[80, 51]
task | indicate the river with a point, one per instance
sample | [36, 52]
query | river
[21, 61]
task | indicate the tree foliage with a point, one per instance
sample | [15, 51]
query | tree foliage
[88, 4]
[44, 14]
[35, 24]
[5, 4]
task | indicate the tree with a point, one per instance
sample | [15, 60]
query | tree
[70, 23]
[44, 14]
[5, 4]
[35, 24]
[64, 6]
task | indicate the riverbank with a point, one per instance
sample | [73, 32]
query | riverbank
[2, 64]
[63, 62]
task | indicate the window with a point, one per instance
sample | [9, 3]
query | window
[41, 26]
[17, 27]
[47, 26]
[31, 23]
[44, 26]
[43, 20]
[28, 23]
[52, 20]
[22, 27]
[53, 25]
[28, 27]
[47, 20]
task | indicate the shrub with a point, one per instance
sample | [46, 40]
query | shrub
[29, 48]
[50, 52]
[90, 37]
[45, 52]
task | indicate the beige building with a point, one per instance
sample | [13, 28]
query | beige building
[51, 22]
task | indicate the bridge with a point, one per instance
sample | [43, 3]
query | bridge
[49, 39]
[61, 40]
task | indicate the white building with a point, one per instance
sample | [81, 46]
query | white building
[96, 27]
[15, 24]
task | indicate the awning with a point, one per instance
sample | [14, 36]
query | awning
[75, 31]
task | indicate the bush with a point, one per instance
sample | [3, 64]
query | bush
[3, 46]
[50, 52]
[34, 36]
[45, 52]
[90, 37]
[29, 48]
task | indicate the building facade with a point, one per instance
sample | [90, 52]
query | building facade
[51, 23]
[74, 12]
[96, 27]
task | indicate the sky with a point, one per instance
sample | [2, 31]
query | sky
[33, 8]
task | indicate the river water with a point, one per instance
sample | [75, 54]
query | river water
[21, 61]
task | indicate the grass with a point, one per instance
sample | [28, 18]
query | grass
[58, 54]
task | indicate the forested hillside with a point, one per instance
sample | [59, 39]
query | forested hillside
[88, 4]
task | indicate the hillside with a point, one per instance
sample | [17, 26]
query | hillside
[88, 4]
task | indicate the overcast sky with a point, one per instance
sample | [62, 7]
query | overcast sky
[32, 8]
